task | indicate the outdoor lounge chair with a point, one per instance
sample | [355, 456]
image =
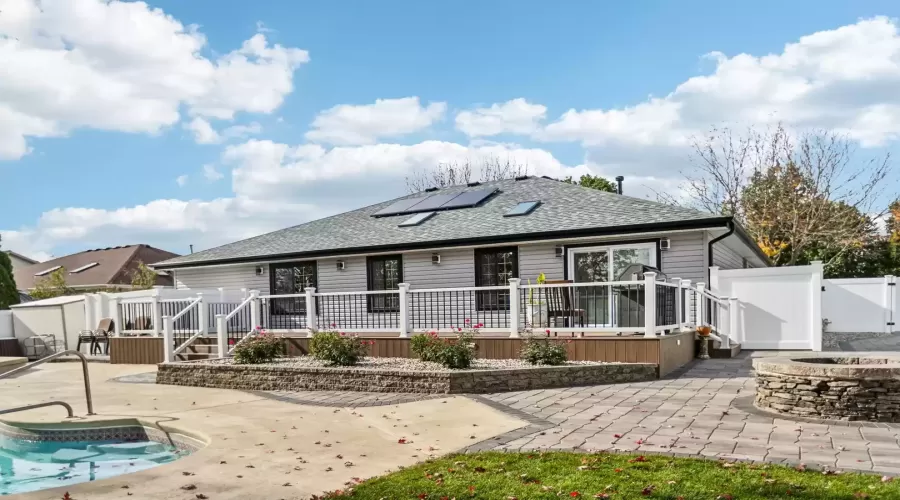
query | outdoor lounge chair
[560, 305]
[97, 337]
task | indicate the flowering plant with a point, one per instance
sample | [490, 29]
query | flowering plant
[338, 348]
[539, 350]
[260, 347]
[455, 352]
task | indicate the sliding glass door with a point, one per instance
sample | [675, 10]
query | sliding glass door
[603, 264]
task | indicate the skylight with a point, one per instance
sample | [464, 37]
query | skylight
[83, 268]
[47, 271]
[523, 208]
[417, 219]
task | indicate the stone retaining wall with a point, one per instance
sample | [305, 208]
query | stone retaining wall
[830, 388]
[284, 378]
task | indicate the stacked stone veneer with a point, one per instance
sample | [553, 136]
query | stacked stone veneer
[288, 378]
[837, 388]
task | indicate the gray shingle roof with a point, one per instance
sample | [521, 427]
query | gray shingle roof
[564, 208]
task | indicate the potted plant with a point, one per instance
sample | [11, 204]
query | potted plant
[704, 330]
[536, 307]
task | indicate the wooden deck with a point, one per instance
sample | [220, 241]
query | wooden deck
[669, 352]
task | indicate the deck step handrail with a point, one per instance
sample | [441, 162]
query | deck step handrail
[202, 330]
[84, 367]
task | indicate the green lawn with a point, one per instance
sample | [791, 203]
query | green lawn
[520, 476]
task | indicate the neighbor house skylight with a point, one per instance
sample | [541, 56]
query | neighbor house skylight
[47, 271]
[83, 268]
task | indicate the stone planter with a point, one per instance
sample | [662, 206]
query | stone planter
[292, 378]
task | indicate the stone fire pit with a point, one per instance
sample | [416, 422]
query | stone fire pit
[836, 387]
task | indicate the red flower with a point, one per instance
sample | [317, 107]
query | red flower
[230, 341]
[618, 470]
[468, 321]
[333, 325]
[574, 494]
[459, 329]
[343, 334]
[479, 325]
[548, 331]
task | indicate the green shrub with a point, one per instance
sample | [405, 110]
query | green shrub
[426, 346]
[260, 348]
[457, 353]
[543, 351]
[338, 348]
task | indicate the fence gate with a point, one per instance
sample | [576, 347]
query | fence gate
[778, 307]
[861, 305]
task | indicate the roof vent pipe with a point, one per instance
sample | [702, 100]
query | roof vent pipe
[619, 180]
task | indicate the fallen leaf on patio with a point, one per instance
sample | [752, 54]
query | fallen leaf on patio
[286, 484]
[640, 441]
[201, 496]
[187, 473]
[189, 487]
[66, 496]
[250, 466]
[222, 462]
[348, 464]
[617, 436]
[401, 441]
[728, 465]
[329, 469]
[648, 490]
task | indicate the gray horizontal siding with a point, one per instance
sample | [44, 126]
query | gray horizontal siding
[457, 269]
[685, 257]
[540, 258]
[232, 278]
[726, 258]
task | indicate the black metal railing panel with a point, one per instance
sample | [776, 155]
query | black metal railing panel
[282, 313]
[187, 324]
[358, 311]
[591, 306]
[665, 304]
[136, 316]
[465, 308]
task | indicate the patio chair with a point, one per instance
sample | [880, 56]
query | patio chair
[97, 337]
[560, 305]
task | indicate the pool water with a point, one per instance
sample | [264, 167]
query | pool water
[37, 465]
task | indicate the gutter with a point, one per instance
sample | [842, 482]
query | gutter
[730, 225]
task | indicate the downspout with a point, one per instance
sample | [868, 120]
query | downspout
[730, 226]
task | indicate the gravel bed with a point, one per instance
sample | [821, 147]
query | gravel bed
[407, 364]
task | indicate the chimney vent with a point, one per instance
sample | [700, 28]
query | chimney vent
[619, 180]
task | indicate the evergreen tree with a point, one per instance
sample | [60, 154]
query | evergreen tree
[9, 294]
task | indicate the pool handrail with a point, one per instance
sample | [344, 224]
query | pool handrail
[65, 405]
[84, 368]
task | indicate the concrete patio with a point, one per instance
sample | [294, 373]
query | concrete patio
[259, 446]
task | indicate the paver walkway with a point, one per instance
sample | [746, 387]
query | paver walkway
[705, 412]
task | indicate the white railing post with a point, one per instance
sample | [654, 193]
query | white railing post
[698, 307]
[688, 312]
[514, 284]
[724, 317]
[714, 285]
[311, 320]
[222, 335]
[254, 309]
[202, 311]
[116, 315]
[649, 304]
[156, 313]
[403, 291]
[168, 340]
[733, 324]
[679, 314]
[816, 304]
[221, 294]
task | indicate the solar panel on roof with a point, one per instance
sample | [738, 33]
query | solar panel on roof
[417, 219]
[523, 208]
[469, 198]
[431, 203]
[398, 207]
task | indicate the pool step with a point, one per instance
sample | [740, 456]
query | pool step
[128, 449]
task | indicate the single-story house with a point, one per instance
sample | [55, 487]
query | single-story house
[480, 234]
[103, 268]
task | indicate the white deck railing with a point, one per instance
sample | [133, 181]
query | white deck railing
[646, 306]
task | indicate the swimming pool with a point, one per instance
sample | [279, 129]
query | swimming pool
[30, 465]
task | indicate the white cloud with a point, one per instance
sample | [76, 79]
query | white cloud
[211, 174]
[275, 186]
[348, 124]
[181, 180]
[517, 116]
[204, 133]
[123, 66]
[843, 79]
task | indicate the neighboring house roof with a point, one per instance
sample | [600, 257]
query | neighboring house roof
[566, 210]
[100, 267]
[22, 259]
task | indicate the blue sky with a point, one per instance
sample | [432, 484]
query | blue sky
[101, 151]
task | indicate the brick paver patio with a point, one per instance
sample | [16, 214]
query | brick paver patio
[705, 412]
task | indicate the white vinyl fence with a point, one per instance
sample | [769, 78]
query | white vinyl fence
[779, 307]
[6, 325]
[856, 305]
